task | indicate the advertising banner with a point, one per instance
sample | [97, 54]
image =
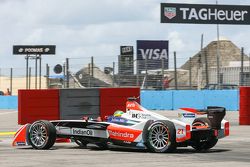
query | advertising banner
[34, 49]
[126, 60]
[126, 50]
[152, 55]
[204, 13]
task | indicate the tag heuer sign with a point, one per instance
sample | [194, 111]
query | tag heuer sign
[204, 14]
[34, 49]
[170, 12]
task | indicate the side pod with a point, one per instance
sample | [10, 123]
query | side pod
[20, 138]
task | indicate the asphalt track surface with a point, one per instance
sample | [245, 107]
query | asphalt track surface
[233, 151]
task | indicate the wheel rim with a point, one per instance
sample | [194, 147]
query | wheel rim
[38, 134]
[159, 136]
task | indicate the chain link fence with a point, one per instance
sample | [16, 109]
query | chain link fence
[197, 72]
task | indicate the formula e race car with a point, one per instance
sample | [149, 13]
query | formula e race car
[137, 127]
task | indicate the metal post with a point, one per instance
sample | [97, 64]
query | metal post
[190, 73]
[36, 72]
[162, 72]
[113, 83]
[218, 54]
[206, 67]
[29, 77]
[11, 79]
[137, 73]
[47, 75]
[67, 72]
[89, 83]
[146, 72]
[175, 72]
[40, 71]
[241, 68]
[27, 70]
[64, 74]
[92, 66]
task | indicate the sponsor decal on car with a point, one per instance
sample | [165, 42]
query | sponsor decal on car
[188, 115]
[82, 132]
[140, 115]
[121, 134]
[117, 120]
[21, 143]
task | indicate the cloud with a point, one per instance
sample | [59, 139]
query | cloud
[97, 28]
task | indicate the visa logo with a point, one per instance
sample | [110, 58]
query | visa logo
[155, 54]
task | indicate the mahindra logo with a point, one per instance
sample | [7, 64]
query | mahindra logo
[121, 134]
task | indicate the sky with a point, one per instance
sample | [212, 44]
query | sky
[84, 28]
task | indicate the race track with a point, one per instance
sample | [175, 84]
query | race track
[233, 151]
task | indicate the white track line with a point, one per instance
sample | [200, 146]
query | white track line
[9, 112]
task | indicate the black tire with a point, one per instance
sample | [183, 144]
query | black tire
[42, 135]
[160, 136]
[81, 143]
[204, 145]
[27, 134]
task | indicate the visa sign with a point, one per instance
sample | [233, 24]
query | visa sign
[152, 50]
[153, 53]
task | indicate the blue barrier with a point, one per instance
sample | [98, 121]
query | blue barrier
[157, 100]
[8, 102]
[174, 99]
[188, 98]
[169, 99]
[224, 98]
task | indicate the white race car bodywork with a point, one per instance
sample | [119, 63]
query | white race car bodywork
[131, 128]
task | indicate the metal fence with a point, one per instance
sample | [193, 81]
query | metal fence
[197, 72]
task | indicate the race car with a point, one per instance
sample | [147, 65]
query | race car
[136, 127]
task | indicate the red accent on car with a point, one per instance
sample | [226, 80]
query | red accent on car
[121, 133]
[215, 132]
[133, 105]
[188, 132]
[226, 129]
[192, 110]
[20, 136]
[63, 140]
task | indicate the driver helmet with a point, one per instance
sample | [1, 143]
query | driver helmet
[118, 113]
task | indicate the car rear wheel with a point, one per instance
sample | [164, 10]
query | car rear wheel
[42, 134]
[204, 144]
[160, 136]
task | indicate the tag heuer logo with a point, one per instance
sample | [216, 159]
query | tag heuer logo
[170, 12]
